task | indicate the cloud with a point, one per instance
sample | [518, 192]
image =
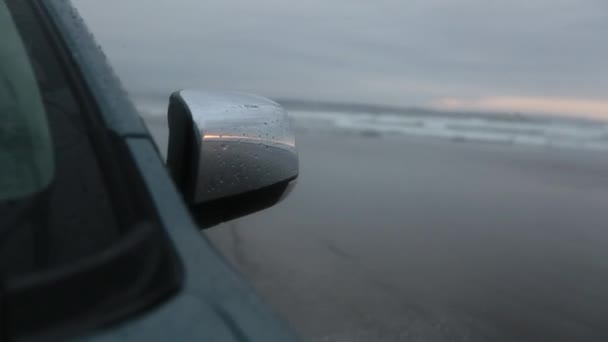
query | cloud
[383, 52]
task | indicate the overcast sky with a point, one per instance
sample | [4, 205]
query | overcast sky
[517, 55]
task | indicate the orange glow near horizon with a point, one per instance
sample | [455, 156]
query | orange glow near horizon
[574, 107]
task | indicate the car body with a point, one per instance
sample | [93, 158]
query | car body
[175, 285]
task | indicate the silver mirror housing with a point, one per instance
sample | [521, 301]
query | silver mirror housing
[230, 149]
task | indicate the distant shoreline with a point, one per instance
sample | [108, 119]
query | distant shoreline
[324, 106]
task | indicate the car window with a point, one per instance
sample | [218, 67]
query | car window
[54, 201]
[26, 153]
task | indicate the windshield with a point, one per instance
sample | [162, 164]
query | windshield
[26, 150]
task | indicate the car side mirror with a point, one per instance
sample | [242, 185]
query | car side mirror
[230, 154]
